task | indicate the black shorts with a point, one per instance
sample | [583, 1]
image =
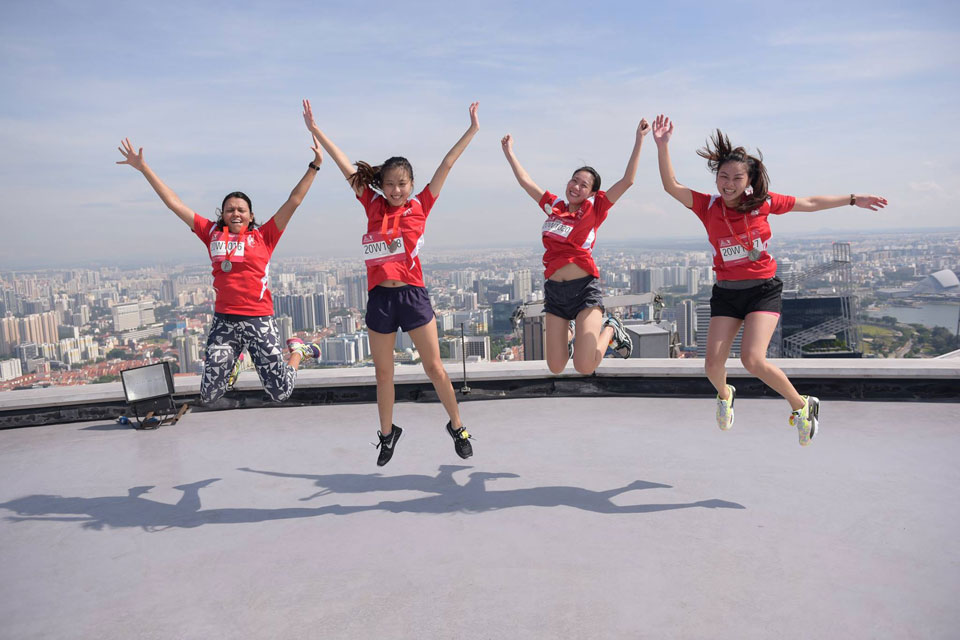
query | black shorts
[567, 299]
[737, 303]
[406, 307]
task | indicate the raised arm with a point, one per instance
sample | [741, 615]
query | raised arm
[819, 203]
[283, 215]
[166, 194]
[518, 171]
[621, 186]
[440, 175]
[343, 162]
[662, 131]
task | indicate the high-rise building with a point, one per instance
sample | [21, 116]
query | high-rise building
[10, 369]
[522, 285]
[284, 328]
[355, 292]
[320, 307]
[476, 346]
[646, 280]
[503, 316]
[534, 337]
[126, 317]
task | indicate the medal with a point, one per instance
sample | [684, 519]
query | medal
[226, 266]
[753, 254]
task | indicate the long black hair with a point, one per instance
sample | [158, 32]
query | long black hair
[720, 151]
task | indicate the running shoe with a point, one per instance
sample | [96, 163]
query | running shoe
[461, 440]
[305, 349]
[387, 444]
[725, 409]
[621, 341]
[807, 419]
[232, 379]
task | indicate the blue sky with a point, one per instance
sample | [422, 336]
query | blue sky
[840, 97]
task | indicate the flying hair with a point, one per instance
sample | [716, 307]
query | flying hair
[719, 151]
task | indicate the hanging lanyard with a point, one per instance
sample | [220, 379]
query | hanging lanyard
[396, 226]
[749, 244]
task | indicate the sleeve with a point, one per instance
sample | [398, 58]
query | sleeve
[547, 202]
[601, 206]
[201, 227]
[701, 203]
[270, 233]
[780, 203]
[366, 198]
[426, 200]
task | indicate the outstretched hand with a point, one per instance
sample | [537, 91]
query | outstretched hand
[662, 129]
[643, 128]
[874, 203]
[474, 119]
[317, 152]
[135, 160]
[507, 143]
[308, 115]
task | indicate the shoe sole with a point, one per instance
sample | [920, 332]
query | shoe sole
[392, 448]
[814, 416]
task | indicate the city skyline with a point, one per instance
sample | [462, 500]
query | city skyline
[213, 97]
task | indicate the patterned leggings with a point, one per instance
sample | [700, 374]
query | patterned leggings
[256, 334]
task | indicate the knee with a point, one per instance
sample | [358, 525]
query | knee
[384, 375]
[210, 394]
[583, 366]
[434, 370]
[556, 367]
[753, 362]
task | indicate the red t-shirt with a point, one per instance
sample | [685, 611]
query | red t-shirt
[730, 261]
[243, 290]
[570, 236]
[391, 245]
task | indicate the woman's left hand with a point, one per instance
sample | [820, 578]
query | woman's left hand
[474, 119]
[874, 203]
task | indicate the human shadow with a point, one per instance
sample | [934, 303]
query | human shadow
[135, 510]
[368, 482]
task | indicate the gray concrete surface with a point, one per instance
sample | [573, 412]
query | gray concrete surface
[577, 518]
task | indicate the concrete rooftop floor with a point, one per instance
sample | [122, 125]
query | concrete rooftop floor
[576, 518]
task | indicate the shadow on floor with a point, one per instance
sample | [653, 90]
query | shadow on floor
[134, 510]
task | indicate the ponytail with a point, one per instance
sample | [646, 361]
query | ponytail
[367, 176]
[720, 151]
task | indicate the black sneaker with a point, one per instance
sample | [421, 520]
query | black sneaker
[461, 440]
[387, 444]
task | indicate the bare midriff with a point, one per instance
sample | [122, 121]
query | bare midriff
[569, 271]
[392, 284]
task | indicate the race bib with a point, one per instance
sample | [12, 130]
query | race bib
[220, 248]
[732, 250]
[378, 250]
[556, 228]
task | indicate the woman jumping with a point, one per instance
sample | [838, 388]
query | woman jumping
[398, 297]
[747, 292]
[240, 251]
[572, 287]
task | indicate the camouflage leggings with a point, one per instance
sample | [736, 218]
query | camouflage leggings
[230, 335]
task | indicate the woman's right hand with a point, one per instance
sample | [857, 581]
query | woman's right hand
[507, 143]
[308, 116]
[135, 160]
[662, 129]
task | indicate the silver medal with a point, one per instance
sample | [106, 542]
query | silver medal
[226, 265]
[754, 254]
